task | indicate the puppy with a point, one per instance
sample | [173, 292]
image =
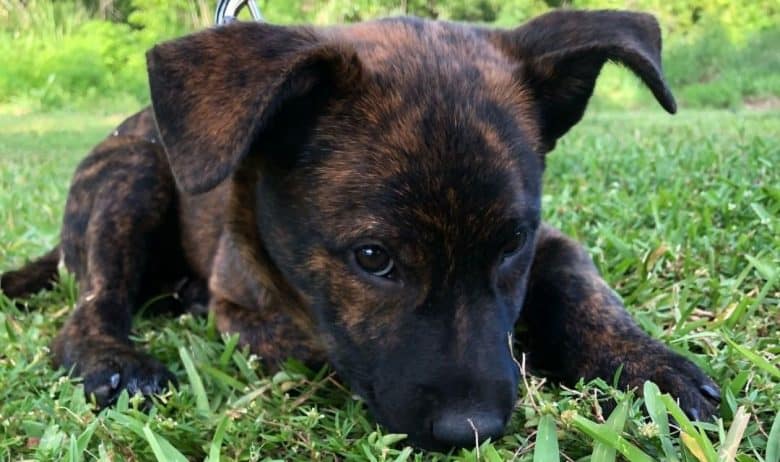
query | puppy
[366, 196]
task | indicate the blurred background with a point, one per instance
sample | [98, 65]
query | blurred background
[89, 54]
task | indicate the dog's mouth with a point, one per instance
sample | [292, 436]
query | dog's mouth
[420, 435]
[360, 384]
[365, 391]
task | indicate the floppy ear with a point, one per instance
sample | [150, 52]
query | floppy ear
[561, 54]
[216, 92]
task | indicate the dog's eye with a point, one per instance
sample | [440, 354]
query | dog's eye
[516, 244]
[375, 260]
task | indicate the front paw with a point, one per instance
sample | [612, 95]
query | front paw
[696, 393]
[107, 370]
[140, 374]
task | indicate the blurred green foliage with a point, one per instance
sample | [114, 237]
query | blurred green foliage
[83, 53]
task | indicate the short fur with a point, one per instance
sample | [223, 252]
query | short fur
[271, 154]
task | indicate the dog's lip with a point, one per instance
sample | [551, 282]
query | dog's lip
[365, 391]
[422, 438]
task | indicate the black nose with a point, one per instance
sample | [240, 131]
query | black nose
[464, 429]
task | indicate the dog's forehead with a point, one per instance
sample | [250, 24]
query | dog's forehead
[387, 40]
[412, 57]
[437, 140]
[439, 134]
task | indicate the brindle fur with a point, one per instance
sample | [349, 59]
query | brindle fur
[271, 152]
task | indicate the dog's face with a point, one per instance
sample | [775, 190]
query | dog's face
[407, 223]
[397, 171]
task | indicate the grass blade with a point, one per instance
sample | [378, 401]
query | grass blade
[658, 414]
[127, 422]
[404, 455]
[83, 440]
[546, 449]
[73, 451]
[216, 441]
[201, 400]
[223, 378]
[606, 435]
[699, 445]
[162, 449]
[729, 450]
[773, 443]
[694, 447]
[755, 358]
[616, 421]
[231, 342]
[489, 454]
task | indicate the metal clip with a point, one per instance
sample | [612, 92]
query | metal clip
[227, 11]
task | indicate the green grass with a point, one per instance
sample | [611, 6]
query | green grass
[65, 54]
[680, 214]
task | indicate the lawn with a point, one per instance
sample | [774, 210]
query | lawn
[681, 214]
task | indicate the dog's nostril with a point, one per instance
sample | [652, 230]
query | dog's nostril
[464, 429]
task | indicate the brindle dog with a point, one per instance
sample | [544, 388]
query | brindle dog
[367, 196]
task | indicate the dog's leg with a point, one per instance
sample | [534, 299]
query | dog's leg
[119, 201]
[577, 327]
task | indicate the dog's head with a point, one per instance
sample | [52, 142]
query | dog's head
[398, 168]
